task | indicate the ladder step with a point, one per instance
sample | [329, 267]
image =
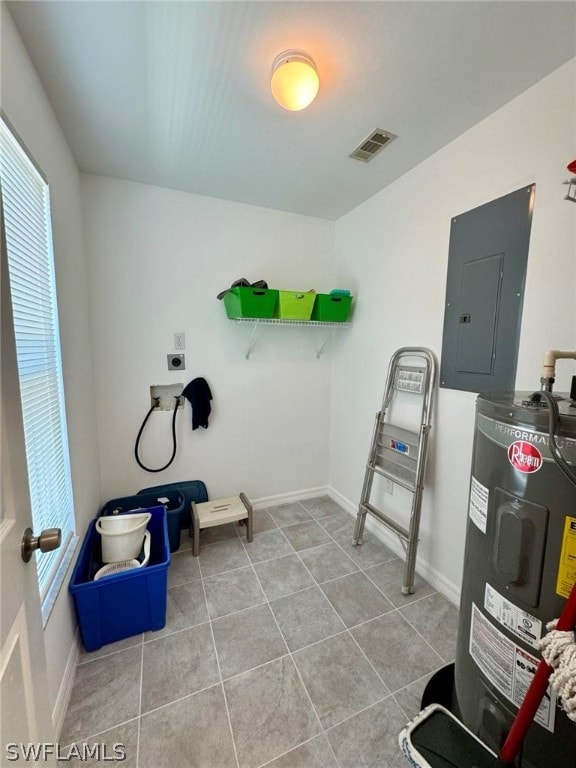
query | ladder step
[391, 476]
[392, 524]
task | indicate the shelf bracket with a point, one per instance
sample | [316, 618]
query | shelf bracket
[328, 338]
[251, 342]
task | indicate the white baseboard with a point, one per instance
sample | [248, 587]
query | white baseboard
[286, 498]
[65, 690]
[424, 569]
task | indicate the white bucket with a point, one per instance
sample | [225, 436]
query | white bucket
[122, 536]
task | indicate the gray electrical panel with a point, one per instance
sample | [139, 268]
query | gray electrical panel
[484, 294]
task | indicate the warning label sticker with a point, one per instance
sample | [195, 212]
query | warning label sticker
[519, 622]
[478, 508]
[508, 667]
[567, 565]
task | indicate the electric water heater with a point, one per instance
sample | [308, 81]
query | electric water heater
[520, 565]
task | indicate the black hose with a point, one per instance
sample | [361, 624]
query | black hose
[552, 427]
[174, 444]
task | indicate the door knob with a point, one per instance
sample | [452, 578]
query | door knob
[49, 539]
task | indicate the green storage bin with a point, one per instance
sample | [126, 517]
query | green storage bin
[295, 305]
[250, 302]
[331, 308]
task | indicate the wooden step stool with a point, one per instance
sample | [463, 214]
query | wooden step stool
[218, 512]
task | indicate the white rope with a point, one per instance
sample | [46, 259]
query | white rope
[559, 651]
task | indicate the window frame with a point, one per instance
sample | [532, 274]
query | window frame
[53, 576]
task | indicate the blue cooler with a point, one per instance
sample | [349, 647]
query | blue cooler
[191, 490]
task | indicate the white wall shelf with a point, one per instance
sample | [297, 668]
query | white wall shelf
[257, 321]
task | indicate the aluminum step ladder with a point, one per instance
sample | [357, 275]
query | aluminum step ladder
[399, 454]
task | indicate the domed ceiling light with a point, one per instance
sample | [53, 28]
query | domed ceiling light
[294, 80]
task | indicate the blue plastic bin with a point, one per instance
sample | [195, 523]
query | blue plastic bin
[191, 490]
[128, 603]
[175, 508]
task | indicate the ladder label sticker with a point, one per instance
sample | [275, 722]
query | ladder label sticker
[399, 446]
[567, 565]
[519, 622]
[410, 379]
[478, 507]
[507, 666]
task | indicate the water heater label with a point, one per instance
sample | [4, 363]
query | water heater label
[507, 666]
[478, 507]
[524, 456]
[519, 622]
[567, 566]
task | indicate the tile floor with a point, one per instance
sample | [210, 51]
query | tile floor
[295, 651]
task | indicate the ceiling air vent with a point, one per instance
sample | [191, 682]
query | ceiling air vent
[371, 145]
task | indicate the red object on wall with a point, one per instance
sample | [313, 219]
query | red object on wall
[572, 166]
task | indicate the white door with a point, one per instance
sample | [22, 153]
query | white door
[25, 716]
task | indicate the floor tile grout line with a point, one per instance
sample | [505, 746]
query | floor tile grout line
[401, 708]
[410, 602]
[359, 566]
[219, 669]
[173, 632]
[319, 723]
[316, 584]
[303, 743]
[423, 637]
[360, 624]
[86, 739]
[258, 666]
[370, 663]
[178, 700]
[110, 653]
[240, 610]
[360, 711]
[140, 701]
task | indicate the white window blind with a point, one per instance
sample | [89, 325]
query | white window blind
[26, 207]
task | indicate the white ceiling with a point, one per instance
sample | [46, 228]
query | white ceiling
[177, 94]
